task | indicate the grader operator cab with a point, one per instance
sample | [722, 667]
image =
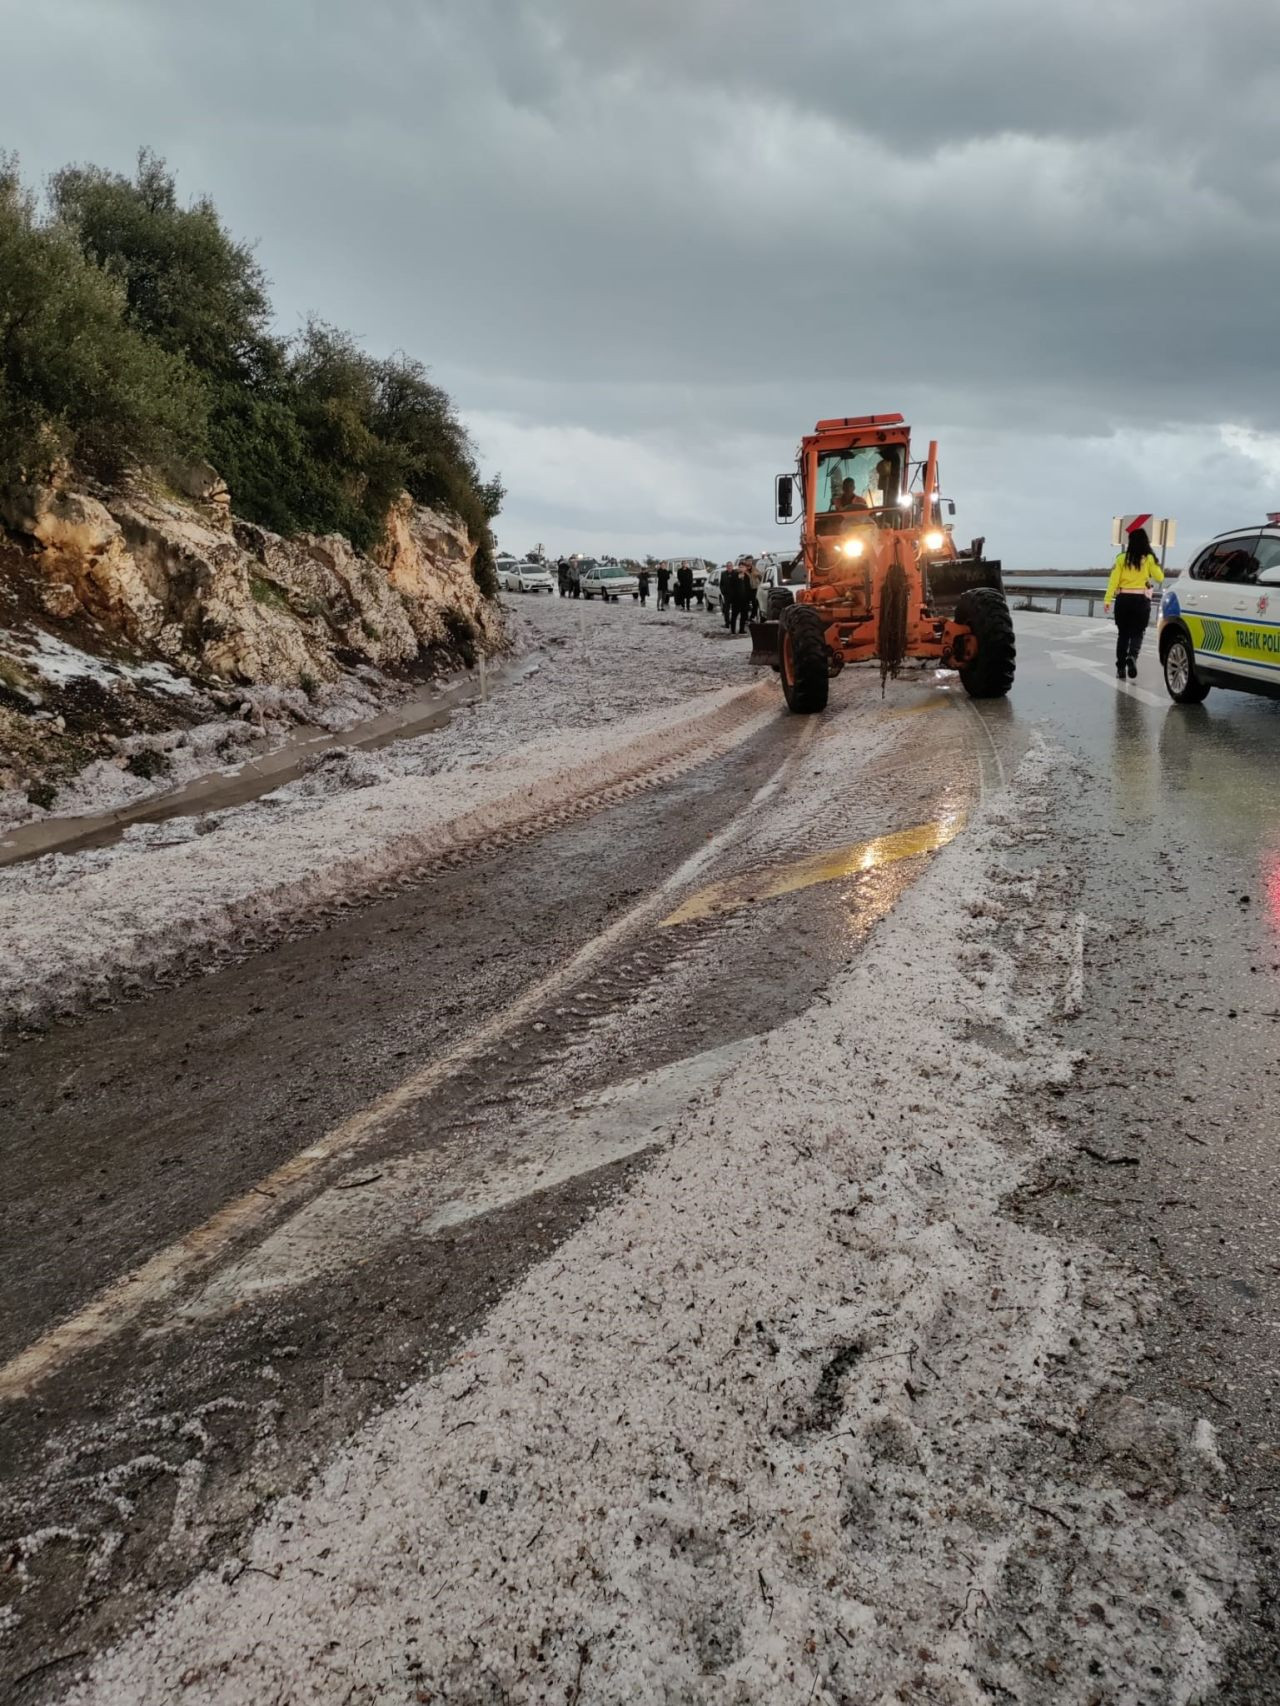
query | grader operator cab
[882, 576]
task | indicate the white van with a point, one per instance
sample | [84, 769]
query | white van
[700, 572]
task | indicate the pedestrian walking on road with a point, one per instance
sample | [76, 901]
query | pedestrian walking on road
[753, 583]
[562, 577]
[684, 580]
[664, 587]
[743, 593]
[728, 581]
[643, 578]
[1133, 575]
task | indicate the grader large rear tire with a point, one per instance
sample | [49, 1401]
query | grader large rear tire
[985, 612]
[802, 656]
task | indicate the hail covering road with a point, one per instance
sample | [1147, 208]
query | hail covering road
[614, 1254]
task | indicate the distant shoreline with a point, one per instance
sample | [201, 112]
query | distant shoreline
[1067, 574]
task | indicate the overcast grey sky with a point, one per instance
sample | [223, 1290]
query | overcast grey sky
[646, 243]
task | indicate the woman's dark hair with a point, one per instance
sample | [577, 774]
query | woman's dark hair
[1139, 548]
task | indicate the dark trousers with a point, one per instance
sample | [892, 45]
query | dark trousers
[1133, 613]
[741, 612]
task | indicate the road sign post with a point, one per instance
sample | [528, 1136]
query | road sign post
[1162, 530]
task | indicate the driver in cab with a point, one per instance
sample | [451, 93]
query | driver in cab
[848, 498]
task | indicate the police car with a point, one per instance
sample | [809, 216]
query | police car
[1220, 621]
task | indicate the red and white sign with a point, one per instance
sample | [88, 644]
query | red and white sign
[1162, 530]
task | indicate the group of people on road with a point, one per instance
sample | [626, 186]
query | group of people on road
[739, 594]
[678, 588]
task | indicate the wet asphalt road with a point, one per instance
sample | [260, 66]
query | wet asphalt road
[1176, 825]
[153, 1452]
[147, 1455]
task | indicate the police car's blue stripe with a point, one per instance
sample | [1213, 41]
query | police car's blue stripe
[1211, 658]
[1242, 621]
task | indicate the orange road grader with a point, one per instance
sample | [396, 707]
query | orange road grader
[878, 575]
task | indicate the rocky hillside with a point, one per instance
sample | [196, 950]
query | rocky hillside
[136, 611]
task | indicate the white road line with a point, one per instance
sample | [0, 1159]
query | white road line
[421, 1195]
[162, 1274]
[1073, 991]
[1097, 633]
[1104, 672]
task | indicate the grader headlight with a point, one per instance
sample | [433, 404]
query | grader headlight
[853, 547]
[934, 539]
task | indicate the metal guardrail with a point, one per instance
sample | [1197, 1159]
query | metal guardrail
[1039, 597]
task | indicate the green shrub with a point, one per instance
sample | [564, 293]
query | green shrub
[147, 763]
[189, 286]
[77, 379]
[439, 466]
[267, 592]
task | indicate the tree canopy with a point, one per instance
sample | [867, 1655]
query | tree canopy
[134, 328]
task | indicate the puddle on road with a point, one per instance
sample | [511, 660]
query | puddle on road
[237, 785]
[858, 857]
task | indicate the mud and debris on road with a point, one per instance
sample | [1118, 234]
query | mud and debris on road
[607, 702]
[657, 1289]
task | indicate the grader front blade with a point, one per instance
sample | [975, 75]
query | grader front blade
[764, 644]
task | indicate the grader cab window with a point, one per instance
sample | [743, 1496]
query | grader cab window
[867, 477]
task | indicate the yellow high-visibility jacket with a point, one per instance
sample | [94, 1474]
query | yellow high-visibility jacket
[1125, 578]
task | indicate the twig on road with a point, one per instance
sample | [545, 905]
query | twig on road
[48, 1664]
[1204, 1386]
[1110, 1160]
[584, 1658]
[765, 1593]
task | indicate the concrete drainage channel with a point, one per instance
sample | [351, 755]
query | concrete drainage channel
[257, 776]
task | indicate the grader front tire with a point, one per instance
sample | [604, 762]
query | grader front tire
[802, 649]
[985, 612]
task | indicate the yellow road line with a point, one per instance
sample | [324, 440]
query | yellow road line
[164, 1273]
[849, 861]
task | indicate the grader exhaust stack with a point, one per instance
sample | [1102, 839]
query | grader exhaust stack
[882, 576]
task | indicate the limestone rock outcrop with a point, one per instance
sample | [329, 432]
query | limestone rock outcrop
[178, 575]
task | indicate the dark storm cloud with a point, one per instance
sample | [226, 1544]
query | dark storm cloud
[656, 225]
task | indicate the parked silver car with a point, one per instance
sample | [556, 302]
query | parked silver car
[608, 580]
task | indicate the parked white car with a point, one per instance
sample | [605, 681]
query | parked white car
[776, 574]
[711, 591]
[780, 576]
[505, 566]
[531, 577]
[608, 580]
